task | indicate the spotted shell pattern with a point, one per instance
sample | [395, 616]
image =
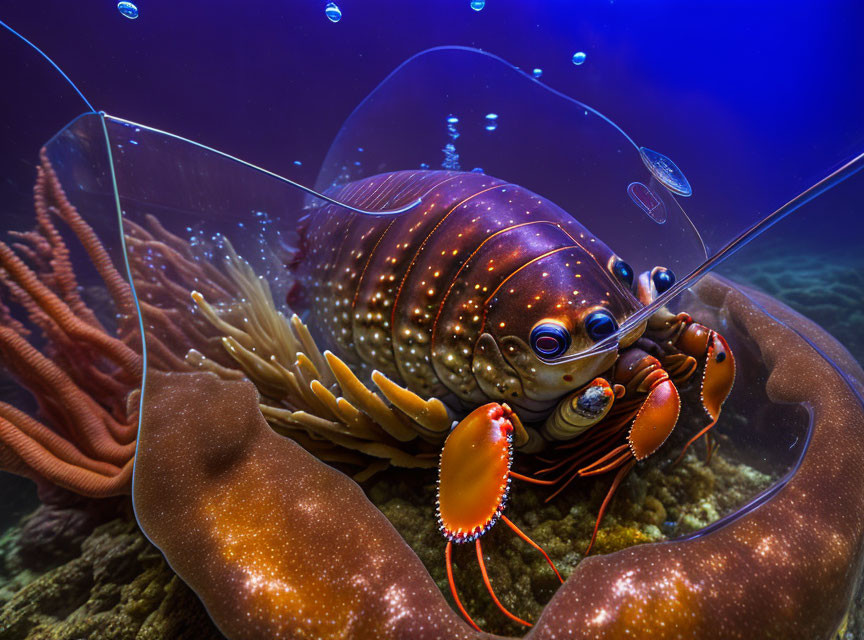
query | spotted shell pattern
[415, 294]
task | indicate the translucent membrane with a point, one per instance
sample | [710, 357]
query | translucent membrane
[204, 198]
[627, 195]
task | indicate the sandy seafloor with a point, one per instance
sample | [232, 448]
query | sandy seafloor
[86, 571]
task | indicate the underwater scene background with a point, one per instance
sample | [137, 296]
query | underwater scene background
[754, 104]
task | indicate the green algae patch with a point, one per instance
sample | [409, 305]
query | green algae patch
[116, 587]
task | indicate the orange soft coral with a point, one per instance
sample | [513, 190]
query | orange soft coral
[82, 373]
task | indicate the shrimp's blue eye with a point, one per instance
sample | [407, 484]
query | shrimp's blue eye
[623, 271]
[600, 324]
[550, 340]
[663, 279]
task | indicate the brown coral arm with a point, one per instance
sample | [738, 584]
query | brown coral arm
[276, 543]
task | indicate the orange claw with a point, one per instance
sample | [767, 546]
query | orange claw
[654, 421]
[718, 377]
[656, 418]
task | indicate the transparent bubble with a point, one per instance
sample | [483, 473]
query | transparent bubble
[333, 13]
[666, 172]
[491, 121]
[127, 9]
[478, 5]
[537, 73]
[646, 200]
[579, 58]
[297, 163]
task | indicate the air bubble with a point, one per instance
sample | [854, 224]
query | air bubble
[491, 121]
[645, 199]
[297, 163]
[333, 13]
[537, 73]
[452, 121]
[666, 172]
[579, 58]
[127, 9]
[478, 5]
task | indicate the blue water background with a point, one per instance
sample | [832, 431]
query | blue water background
[753, 101]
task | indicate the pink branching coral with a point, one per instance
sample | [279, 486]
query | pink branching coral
[82, 372]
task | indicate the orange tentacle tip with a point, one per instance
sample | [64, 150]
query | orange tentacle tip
[474, 473]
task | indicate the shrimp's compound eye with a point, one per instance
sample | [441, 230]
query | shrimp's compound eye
[623, 271]
[600, 324]
[663, 279]
[550, 339]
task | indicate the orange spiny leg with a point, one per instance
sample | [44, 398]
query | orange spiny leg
[448, 551]
[708, 444]
[519, 476]
[607, 462]
[522, 535]
[711, 445]
[489, 586]
[615, 484]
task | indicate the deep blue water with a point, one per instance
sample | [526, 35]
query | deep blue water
[753, 102]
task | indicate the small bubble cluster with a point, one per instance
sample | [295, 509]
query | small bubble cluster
[452, 121]
[451, 156]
